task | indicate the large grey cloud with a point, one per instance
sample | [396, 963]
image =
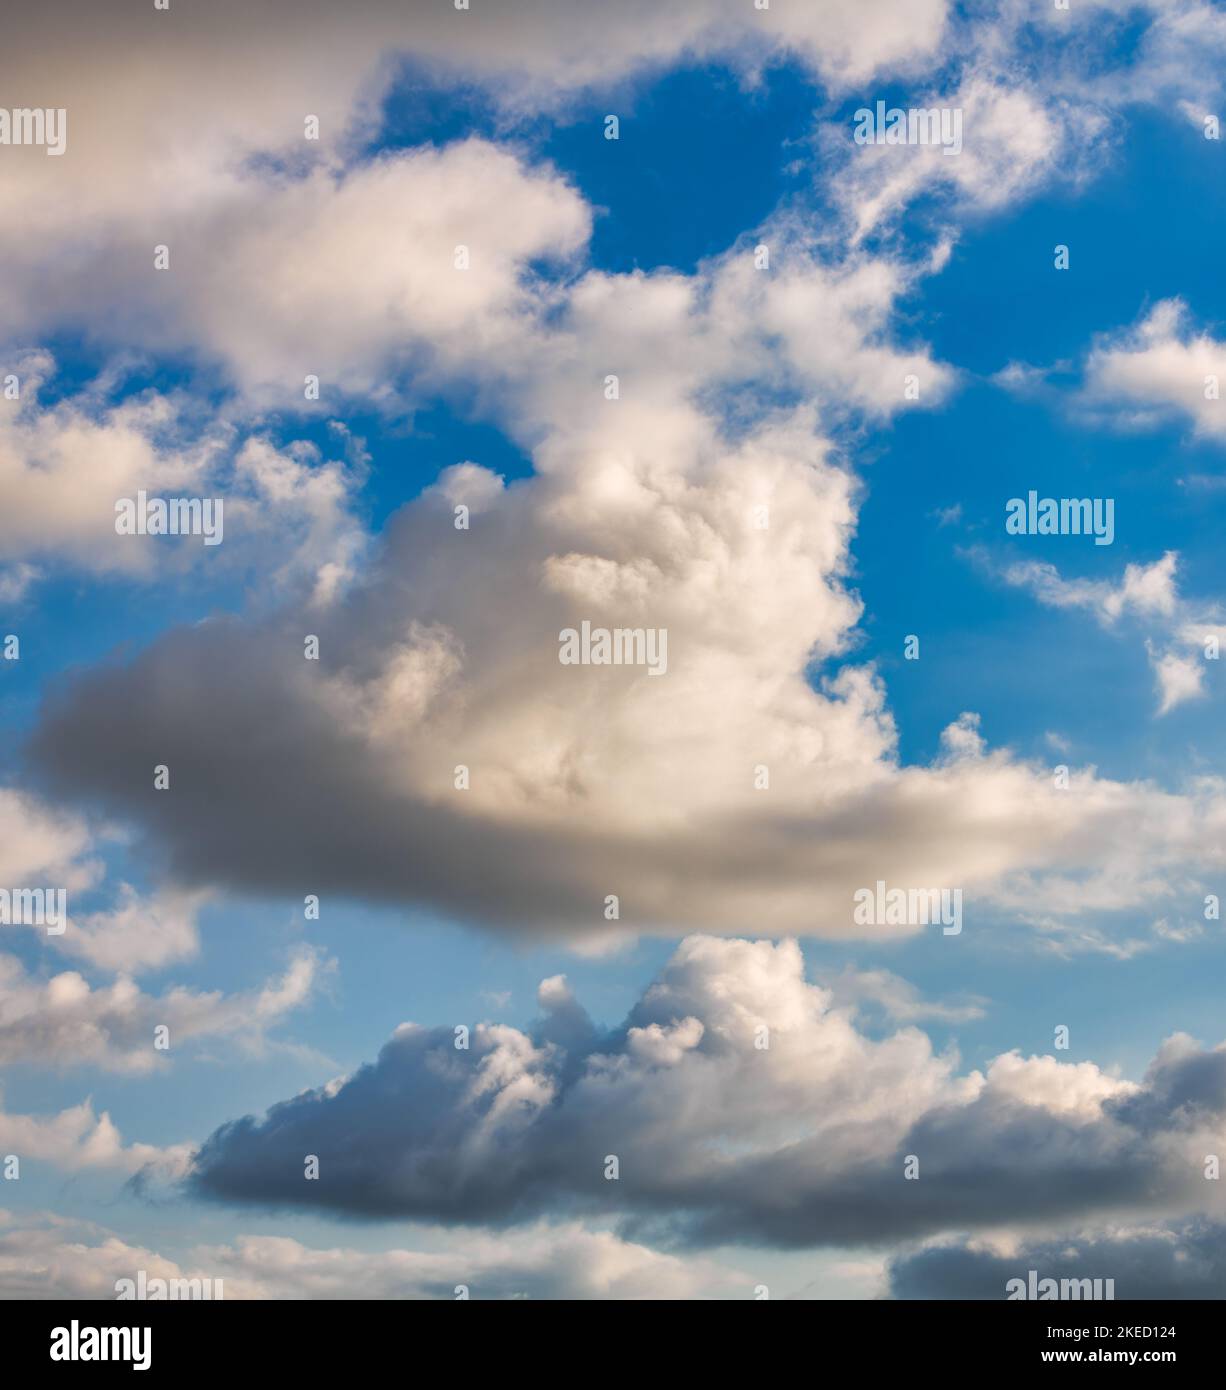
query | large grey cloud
[652, 510]
[801, 1143]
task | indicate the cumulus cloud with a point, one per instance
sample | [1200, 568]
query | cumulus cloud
[65, 464]
[656, 509]
[648, 509]
[209, 156]
[41, 844]
[62, 1022]
[46, 850]
[587, 781]
[398, 293]
[684, 504]
[721, 1138]
[137, 932]
[1158, 369]
[80, 1138]
[63, 467]
[453, 298]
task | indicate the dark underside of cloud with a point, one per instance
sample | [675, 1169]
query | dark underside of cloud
[717, 1141]
[1177, 1262]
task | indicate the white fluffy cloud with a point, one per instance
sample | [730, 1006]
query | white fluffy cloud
[49, 851]
[209, 157]
[62, 1022]
[39, 844]
[79, 1138]
[137, 932]
[392, 295]
[65, 465]
[1159, 368]
[62, 469]
[395, 315]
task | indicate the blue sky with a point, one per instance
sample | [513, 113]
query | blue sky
[1033, 378]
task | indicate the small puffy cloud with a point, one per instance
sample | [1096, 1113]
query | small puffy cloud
[1150, 595]
[49, 852]
[1179, 677]
[64, 466]
[79, 1138]
[284, 513]
[1022, 379]
[40, 845]
[1159, 369]
[137, 932]
[1145, 590]
[63, 1022]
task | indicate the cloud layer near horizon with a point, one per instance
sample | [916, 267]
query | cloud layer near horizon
[49, 1257]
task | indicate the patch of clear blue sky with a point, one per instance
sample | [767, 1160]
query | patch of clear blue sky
[1141, 232]
[702, 157]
